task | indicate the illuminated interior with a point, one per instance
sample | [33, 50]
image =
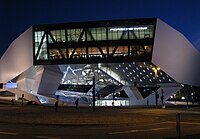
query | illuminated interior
[110, 41]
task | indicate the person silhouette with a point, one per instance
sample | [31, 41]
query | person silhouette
[56, 106]
[76, 103]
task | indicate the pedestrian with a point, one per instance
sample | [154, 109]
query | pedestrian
[147, 102]
[113, 104]
[12, 101]
[56, 106]
[76, 103]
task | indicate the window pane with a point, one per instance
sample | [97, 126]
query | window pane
[37, 38]
[96, 34]
[80, 53]
[58, 35]
[73, 35]
[117, 33]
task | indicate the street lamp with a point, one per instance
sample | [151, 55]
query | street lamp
[156, 69]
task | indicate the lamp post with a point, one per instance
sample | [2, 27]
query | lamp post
[93, 94]
[156, 69]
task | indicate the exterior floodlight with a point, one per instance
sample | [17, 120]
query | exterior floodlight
[156, 69]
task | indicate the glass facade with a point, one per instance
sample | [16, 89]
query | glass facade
[73, 35]
[96, 34]
[95, 42]
[58, 36]
[40, 46]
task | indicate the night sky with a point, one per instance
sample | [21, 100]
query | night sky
[18, 15]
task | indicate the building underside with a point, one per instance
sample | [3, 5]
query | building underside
[123, 56]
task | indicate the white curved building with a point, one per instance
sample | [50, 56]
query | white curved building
[61, 59]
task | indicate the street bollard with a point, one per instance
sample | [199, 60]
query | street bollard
[178, 125]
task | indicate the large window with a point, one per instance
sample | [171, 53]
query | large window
[80, 53]
[131, 32]
[118, 50]
[141, 32]
[117, 33]
[58, 35]
[40, 46]
[74, 35]
[96, 34]
[38, 38]
[140, 50]
[94, 52]
[57, 54]
[121, 51]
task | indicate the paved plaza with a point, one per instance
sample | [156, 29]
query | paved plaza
[107, 122]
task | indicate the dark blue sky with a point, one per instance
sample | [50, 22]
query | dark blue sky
[18, 15]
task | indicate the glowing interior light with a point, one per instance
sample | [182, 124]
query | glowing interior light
[140, 28]
[131, 28]
[183, 98]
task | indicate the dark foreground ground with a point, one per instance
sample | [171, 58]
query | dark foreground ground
[27, 122]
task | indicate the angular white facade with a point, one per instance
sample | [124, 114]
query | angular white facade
[176, 55]
[18, 57]
[17, 64]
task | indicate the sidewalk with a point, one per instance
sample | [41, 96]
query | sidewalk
[40, 114]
